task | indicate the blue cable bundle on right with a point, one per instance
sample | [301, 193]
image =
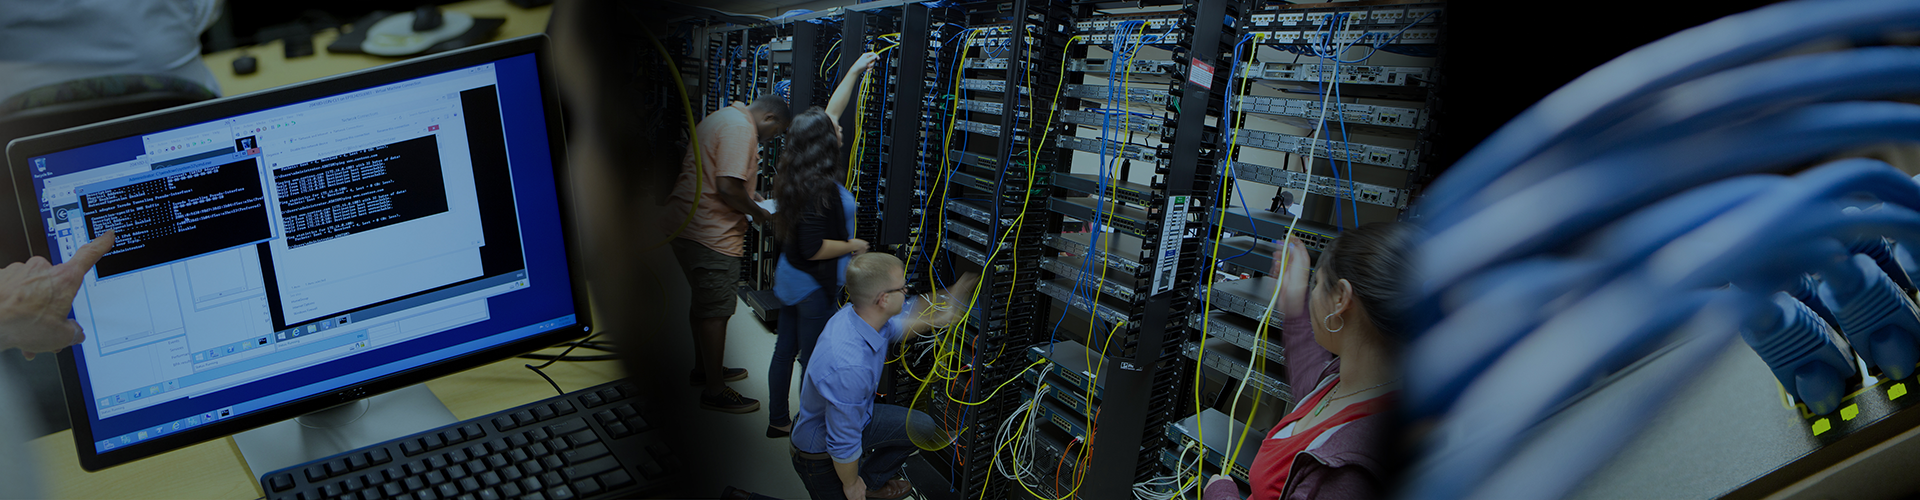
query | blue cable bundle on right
[1799, 347]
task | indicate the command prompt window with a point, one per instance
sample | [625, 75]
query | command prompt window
[363, 190]
[178, 215]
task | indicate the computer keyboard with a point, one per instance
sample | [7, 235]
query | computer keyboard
[587, 444]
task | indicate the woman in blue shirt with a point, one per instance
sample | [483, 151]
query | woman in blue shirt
[814, 225]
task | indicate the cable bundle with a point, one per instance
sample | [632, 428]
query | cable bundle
[1641, 208]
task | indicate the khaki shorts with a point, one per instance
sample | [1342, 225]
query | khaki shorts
[713, 276]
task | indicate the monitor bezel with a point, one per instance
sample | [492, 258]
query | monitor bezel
[536, 44]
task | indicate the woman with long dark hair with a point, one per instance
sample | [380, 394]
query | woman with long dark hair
[1341, 330]
[814, 225]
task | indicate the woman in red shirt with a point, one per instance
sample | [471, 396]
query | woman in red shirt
[1340, 332]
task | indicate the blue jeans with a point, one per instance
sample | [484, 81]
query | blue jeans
[800, 325]
[886, 447]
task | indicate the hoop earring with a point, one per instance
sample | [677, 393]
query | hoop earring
[1329, 319]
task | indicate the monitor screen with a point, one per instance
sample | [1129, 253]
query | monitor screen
[284, 251]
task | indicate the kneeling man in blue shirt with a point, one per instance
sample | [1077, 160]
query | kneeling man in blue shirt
[843, 442]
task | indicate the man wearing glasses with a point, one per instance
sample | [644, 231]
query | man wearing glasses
[842, 441]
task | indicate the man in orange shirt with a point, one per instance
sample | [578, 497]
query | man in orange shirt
[710, 241]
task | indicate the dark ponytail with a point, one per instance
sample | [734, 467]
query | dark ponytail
[1377, 260]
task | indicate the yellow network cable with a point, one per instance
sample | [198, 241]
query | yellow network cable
[699, 163]
[1219, 228]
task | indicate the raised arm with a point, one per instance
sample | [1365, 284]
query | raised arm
[843, 94]
[955, 296]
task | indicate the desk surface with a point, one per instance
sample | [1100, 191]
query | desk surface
[276, 70]
[215, 469]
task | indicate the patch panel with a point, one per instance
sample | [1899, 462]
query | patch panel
[1327, 149]
[1062, 290]
[1140, 124]
[1354, 74]
[1123, 218]
[977, 127]
[1350, 36]
[1322, 185]
[1245, 297]
[1124, 192]
[1070, 365]
[1365, 114]
[1114, 148]
[993, 108]
[1118, 285]
[1076, 245]
[1268, 225]
[1231, 361]
[1136, 95]
[985, 85]
[1241, 331]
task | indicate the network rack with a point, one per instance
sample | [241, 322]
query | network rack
[1220, 432]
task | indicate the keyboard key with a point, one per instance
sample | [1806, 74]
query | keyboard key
[392, 473]
[448, 490]
[452, 436]
[411, 448]
[618, 429]
[437, 462]
[504, 422]
[332, 490]
[533, 468]
[582, 438]
[472, 431]
[535, 496]
[414, 483]
[592, 400]
[510, 490]
[469, 484]
[531, 484]
[371, 494]
[371, 480]
[561, 492]
[353, 483]
[519, 456]
[651, 468]
[585, 453]
[497, 461]
[468, 496]
[436, 477]
[417, 468]
[456, 473]
[476, 467]
[543, 413]
[524, 417]
[358, 462]
[606, 417]
[489, 494]
[587, 486]
[538, 435]
[565, 427]
[426, 495]
[475, 451]
[539, 450]
[336, 467]
[626, 412]
[393, 489]
[591, 468]
[490, 478]
[553, 479]
[497, 446]
[557, 445]
[432, 441]
[280, 482]
[457, 456]
[609, 394]
[553, 462]
[564, 408]
[379, 456]
[316, 473]
[616, 479]
[510, 474]
[517, 441]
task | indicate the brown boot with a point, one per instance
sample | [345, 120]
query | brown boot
[894, 489]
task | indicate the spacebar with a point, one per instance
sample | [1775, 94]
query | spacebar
[591, 468]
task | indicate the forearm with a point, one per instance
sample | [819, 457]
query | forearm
[843, 94]
[849, 471]
[738, 200]
[833, 249]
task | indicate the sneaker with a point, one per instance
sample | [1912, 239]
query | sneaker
[894, 489]
[732, 375]
[776, 433]
[732, 493]
[730, 401]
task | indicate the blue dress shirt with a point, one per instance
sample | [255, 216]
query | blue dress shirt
[836, 396]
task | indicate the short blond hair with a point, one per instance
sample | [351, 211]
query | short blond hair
[868, 274]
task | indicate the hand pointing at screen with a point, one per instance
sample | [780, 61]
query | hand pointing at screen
[36, 297]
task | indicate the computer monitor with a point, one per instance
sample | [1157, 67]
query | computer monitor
[287, 251]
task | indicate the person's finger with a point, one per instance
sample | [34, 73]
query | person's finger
[83, 259]
[26, 354]
[79, 333]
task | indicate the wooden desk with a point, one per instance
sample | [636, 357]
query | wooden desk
[215, 469]
[276, 70]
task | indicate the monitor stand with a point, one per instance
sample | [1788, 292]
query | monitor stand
[341, 428]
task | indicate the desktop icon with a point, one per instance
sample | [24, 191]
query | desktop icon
[176, 426]
[40, 164]
[193, 420]
[229, 349]
[313, 328]
[106, 445]
[210, 416]
[226, 412]
[143, 434]
[283, 336]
